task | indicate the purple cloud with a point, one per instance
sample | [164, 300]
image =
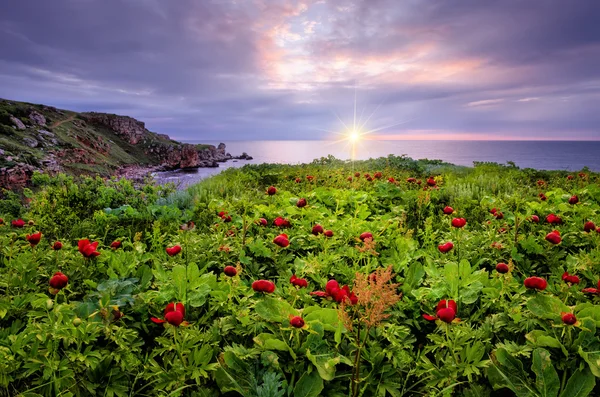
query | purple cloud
[287, 69]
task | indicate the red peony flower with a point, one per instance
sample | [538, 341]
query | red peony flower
[459, 222]
[542, 197]
[263, 286]
[569, 177]
[493, 211]
[221, 214]
[263, 222]
[446, 311]
[58, 281]
[535, 218]
[541, 183]
[328, 233]
[57, 246]
[349, 179]
[297, 322]
[226, 218]
[301, 203]
[369, 178]
[317, 229]
[445, 247]
[377, 175]
[431, 182]
[271, 190]
[391, 180]
[418, 182]
[299, 282]
[502, 268]
[589, 227]
[498, 215]
[535, 283]
[282, 240]
[174, 314]
[592, 290]
[19, 223]
[298, 180]
[411, 180]
[116, 245]
[573, 200]
[553, 237]
[172, 251]
[570, 278]
[582, 174]
[357, 174]
[568, 318]
[88, 249]
[309, 177]
[365, 235]
[34, 238]
[553, 219]
[230, 271]
[281, 222]
[448, 210]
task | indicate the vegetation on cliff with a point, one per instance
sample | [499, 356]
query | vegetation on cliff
[37, 137]
[388, 277]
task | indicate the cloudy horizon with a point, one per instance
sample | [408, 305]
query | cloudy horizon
[282, 69]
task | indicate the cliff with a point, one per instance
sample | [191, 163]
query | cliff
[43, 138]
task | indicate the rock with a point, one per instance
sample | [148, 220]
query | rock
[221, 146]
[1, 152]
[17, 176]
[128, 128]
[17, 123]
[46, 133]
[37, 118]
[31, 142]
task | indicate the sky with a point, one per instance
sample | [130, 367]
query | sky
[311, 69]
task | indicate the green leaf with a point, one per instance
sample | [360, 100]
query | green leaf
[592, 359]
[413, 277]
[590, 311]
[539, 339]
[580, 384]
[272, 309]
[328, 317]
[547, 381]
[309, 385]
[546, 306]
[326, 363]
[508, 372]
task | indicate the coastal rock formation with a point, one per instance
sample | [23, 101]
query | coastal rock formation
[127, 127]
[16, 176]
[37, 118]
[17, 123]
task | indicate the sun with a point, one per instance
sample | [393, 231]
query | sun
[353, 136]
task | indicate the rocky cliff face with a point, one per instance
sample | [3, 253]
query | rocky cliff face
[129, 128]
[46, 139]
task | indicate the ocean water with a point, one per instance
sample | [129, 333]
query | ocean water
[546, 155]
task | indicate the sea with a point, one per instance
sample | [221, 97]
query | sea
[545, 155]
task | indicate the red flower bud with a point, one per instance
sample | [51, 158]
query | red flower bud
[535, 283]
[88, 249]
[263, 222]
[459, 222]
[263, 286]
[301, 203]
[447, 315]
[573, 200]
[589, 227]
[448, 210]
[502, 268]
[431, 182]
[19, 223]
[297, 322]
[569, 318]
[230, 271]
[328, 233]
[330, 286]
[57, 246]
[299, 282]
[317, 229]
[366, 235]
[570, 278]
[445, 247]
[553, 237]
[58, 281]
[115, 245]
[172, 251]
[34, 238]
[271, 190]
[535, 218]
[282, 240]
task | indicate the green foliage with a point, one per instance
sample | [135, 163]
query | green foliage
[95, 336]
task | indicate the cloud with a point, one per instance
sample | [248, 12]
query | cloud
[288, 69]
